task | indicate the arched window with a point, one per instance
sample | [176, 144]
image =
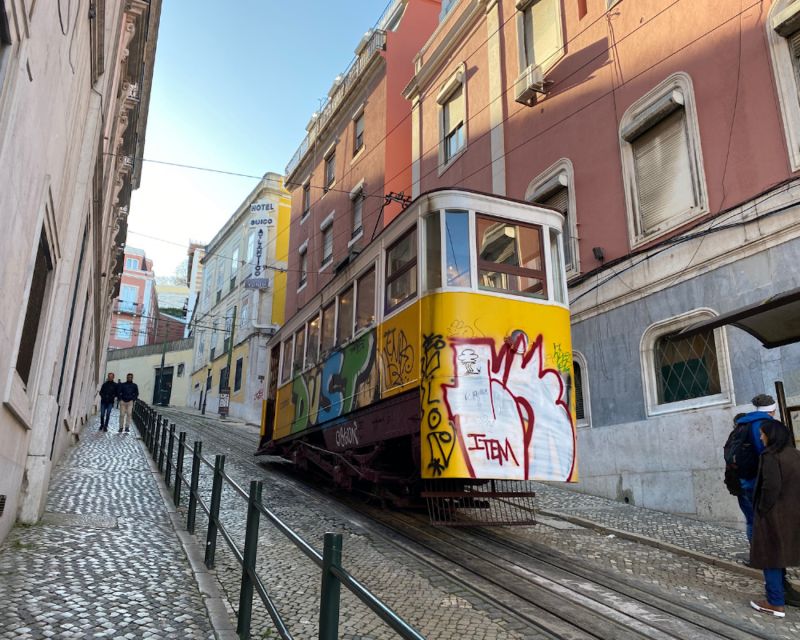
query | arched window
[583, 407]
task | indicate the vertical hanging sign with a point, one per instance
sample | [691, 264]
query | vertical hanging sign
[262, 217]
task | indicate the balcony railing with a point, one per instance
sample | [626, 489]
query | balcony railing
[125, 306]
[345, 82]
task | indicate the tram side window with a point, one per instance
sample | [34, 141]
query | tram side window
[299, 349]
[457, 234]
[510, 258]
[365, 301]
[344, 328]
[433, 252]
[328, 327]
[312, 352]
[401, 270]
[558, 266]
[286, 369]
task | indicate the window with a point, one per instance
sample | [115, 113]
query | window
[582, 406]
[344, 321]
[330, 169]
[685, 371]
[132, 264]
[453, 123]
[447, 5]
[365, 308]
[128, 294]
[208, 278]
[244, 319]
[327, 245]
[358, 207]
[124, 332]
[783, 35]
[401, 270]
[286, 368]
[328, 327]
[358, 133]
[234, 266]
[539, 33]
[226, 342]
[433, 249]
[306, 199]
[223, 379]
[303, 265]
[220, 278]
[237, 376]
[299, 349]
[662, 166]
[557, 268]
[457, 255]
[554, 189]
[510, 257]
[214, 338]
[42, 270]
[312, 351]
[251, 247]
[181, 369]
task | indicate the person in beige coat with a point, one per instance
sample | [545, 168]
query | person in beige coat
[776, 531]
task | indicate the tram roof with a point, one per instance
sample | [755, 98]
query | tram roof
[774, 322]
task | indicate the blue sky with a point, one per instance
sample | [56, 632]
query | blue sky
[235, 84]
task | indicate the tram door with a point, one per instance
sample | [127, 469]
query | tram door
[272, 393]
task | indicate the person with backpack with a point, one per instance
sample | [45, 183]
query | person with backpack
[742, 452]
[108, 393]
[776, 536]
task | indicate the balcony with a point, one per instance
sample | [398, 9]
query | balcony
[344, 83]
[126, 306]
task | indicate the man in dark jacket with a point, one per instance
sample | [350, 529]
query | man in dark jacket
[764, 409]
[776, 536]
[127, 393]
[108, 393]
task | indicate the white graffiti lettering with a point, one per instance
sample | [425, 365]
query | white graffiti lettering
[346, 436]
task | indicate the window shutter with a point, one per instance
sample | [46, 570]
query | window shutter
[580, 413]
[454, 113]
[663, 172]
[546, 31]
[794, 45]
[559, 200]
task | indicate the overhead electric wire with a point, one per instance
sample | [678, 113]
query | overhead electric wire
[505, 119]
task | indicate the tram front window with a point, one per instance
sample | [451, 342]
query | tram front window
[457, 232]
[510, 257]
[401, 270]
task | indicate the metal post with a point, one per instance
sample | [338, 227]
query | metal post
[216, 498]
[162, 447]
[176, 496]
[785, 413]
[170, 447]
[190, 516]
[249, 561]
[156, 439]
[331, 588]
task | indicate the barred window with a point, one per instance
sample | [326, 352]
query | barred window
[686, 368]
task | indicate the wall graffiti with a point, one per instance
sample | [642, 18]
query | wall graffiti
[510, 412]
[398, 358]
[440, 438]
[346, 380]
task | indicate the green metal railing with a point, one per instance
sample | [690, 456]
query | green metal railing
[158, 434]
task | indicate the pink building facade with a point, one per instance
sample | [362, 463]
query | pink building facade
[668, 134]
[135, 316]
[358, 149]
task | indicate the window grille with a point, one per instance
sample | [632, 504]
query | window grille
[686, 368]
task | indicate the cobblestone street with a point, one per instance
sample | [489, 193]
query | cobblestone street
[429, 600]
[104, 562]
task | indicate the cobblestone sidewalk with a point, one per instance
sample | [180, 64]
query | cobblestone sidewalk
[728, 547]
[104, 561]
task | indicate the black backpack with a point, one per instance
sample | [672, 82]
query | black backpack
[741, 457]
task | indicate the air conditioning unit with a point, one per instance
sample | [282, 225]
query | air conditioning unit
[529, 83]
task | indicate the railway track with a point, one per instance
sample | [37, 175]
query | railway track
[546, 594]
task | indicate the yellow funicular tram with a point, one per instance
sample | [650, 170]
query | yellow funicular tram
[437, 362]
